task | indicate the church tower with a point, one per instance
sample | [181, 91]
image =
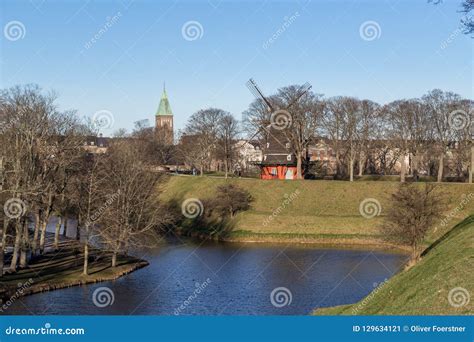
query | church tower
[164, 120]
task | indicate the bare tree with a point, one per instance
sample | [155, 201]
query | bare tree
[333, 128]
[305, 110]
[227, 133]
[413, 212]
[440, 105]
[230, 199]
[203, 127]
[397, 114]
[467, 22]
[134, 216]
[369, 131]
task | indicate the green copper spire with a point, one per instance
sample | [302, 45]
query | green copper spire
[164, 108]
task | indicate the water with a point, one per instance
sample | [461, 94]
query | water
[195, 278]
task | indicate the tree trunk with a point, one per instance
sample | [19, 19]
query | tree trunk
[25, 243]
[440, 168]
[56, 233]
[226, 165]
[299, 174]
[44, 224]
[403, 168]
[351, 168]
[361, 164]
[3, 229]
[86, 259]
[65, 225]
[338, 164]
[16, 247]
[201, 170]
[47, 215]
[78, 228]
[415, 164]
[410, 164]
[114, 259]
[34, 243]
[471, 170]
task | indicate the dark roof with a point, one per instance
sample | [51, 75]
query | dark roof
[277, 148]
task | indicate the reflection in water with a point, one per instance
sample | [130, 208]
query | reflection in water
[193, 278]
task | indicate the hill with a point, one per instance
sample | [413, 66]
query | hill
[315, 211]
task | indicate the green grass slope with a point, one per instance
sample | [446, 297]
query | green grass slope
[319, 211]
[424, 289]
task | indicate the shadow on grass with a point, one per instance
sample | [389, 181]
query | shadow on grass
[464, 224]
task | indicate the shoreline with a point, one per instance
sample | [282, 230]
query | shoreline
[306, 240]
[62, 268]
[347, 244]
[12, 293]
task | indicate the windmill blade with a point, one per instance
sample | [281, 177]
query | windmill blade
[259, 128]
[255, 90]
[303, 90]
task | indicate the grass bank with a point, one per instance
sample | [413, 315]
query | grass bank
[314, 211]
[63, 268]
[438, 285]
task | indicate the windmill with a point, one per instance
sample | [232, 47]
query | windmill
[278, 155]
[280, 119]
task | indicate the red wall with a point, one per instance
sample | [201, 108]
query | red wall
[266, 172]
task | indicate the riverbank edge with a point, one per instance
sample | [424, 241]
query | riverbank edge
[11, 293]
[331, 241]
[355, 244]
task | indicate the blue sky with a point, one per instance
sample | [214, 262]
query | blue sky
[416, 47]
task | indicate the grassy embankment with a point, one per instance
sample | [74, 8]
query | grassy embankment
[424, 288]
[63, 268]
[321, 212]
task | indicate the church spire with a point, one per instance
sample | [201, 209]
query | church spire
[164, 108]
